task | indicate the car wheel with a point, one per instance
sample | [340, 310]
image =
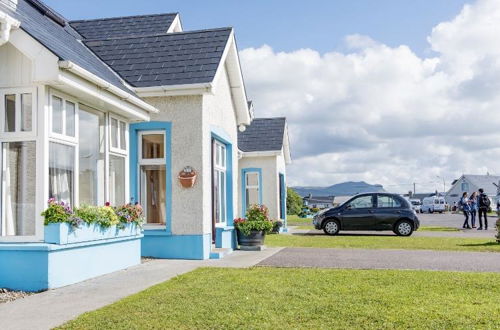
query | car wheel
[331, 227]
[403, 228]
[431, 211]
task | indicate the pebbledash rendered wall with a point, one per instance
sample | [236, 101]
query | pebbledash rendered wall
[271, 167]
[194, 120]
[220, 123]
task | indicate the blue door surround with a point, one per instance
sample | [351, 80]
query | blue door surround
[225, 236]
[283, 196]
[134, 163]
[244, 172]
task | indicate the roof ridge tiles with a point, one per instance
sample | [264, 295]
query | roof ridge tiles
[122, 17]
[158, 34]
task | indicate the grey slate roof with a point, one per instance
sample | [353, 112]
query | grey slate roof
[263, 134]
[60, 40]
[485, 182]
[167, 59]
[124, 26]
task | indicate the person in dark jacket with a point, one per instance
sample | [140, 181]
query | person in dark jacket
[484, 205]
[473, 208]
[465, 206]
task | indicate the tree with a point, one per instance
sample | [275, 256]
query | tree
[293, 202]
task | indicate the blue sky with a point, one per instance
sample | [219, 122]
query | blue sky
[290, 25]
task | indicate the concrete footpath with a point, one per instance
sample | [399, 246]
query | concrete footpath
[385, 259]
[55, 307]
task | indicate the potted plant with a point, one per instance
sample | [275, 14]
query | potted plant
[64, 225]
[253, 228]
[277, 225]
[187, 177]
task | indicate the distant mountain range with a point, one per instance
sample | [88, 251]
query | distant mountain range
[341, 189]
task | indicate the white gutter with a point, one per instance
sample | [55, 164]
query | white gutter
[7, 23]
[261, 153]
[72, 67]
[170, 90]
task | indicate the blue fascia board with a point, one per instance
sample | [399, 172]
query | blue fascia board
[283, 198]
[244, 171]
[134, 162]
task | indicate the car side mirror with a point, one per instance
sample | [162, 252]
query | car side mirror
[348, 207]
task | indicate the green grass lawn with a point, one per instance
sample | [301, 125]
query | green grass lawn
[294, 220]
[287, 298]
[384, 242]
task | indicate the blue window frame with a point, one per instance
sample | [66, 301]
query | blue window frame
[221, 137]
[135, 133]
[251, 187]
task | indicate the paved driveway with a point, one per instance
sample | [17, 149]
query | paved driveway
[385, 259]
[449, 220]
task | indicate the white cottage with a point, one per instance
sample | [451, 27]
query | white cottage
[118, 110]
[265, 152]
[470, 183]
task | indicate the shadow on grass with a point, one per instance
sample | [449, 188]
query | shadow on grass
[346, 234]
[481, 244]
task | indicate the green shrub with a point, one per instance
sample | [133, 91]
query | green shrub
[257, 219]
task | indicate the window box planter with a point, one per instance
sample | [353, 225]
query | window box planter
[65, 233]
[256, 238]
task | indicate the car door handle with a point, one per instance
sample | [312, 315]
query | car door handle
[398, 212]
[370, 211]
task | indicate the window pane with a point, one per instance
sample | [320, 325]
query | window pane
[91, 159]
[223, 156]
[153, 146]
[61, 169]
[10, 113]
[153, 193]
[123, 131]
[70, 118]
[26, 112]
[253, 179]
[252, 197]
[116, 180]
[222, 197]
[387, 201]
[57, 115]
[362, 202]
[216, 193]
[19, 177]
[114, 133]
[217, 155]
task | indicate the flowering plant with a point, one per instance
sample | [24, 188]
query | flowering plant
[105, 216]
[59, 212]
[498, 230]
[130, 213]
[257, 219]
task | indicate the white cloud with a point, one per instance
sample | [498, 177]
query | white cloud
[383, 114]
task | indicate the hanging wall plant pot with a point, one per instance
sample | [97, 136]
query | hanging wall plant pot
[187, 177]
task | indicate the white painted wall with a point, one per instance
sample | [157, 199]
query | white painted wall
[271, 167]
[185, 114]
[218, 114]
[15, 68]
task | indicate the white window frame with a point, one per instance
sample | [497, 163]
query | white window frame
[19, 136]
[149, 161]
[63, 137]
[222, 168]
[256, 187]
[118, 150]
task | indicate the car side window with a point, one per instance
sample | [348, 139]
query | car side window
[387, 201]
[362, 202]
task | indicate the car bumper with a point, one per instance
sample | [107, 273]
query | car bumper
[317, 222]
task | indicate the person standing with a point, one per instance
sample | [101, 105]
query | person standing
[473, 200]
[465, 206]
[484, 205]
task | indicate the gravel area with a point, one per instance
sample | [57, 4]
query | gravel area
[6, 295]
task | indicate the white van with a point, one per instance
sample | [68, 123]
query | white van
[433, 204]
[416, 205]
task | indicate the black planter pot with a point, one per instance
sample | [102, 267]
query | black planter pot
[256, 238]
